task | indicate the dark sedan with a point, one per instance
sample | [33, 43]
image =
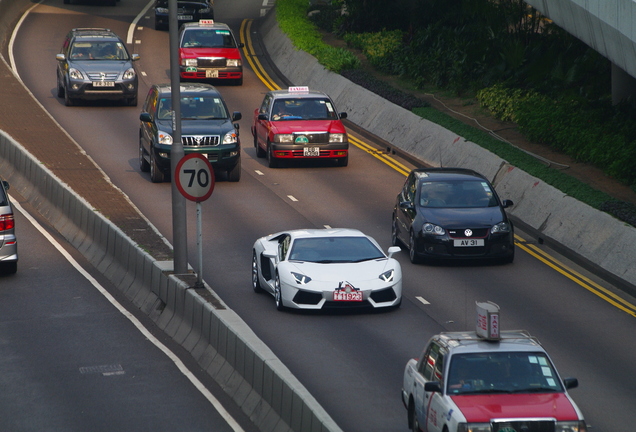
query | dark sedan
[187, 11]
[452, 213]
[206, 128]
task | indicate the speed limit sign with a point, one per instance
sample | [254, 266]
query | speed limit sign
[194, 177]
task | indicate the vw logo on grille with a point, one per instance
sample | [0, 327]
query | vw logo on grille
[468, 232]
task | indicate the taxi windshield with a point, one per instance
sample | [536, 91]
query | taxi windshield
[303, 109]
[502, 372]
[208, 38]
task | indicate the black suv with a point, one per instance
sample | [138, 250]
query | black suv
[206, 128]
[95, 64]
[187, 11]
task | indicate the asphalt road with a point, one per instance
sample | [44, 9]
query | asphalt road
[351, 362]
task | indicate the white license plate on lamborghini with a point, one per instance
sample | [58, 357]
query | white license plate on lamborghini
[212, 73]
[311, 151]
[469, 242]
[347, 296]
[103, 83]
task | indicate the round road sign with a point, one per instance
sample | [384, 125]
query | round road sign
[195, 177]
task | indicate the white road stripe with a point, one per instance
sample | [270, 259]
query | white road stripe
[422, 300]
[291, 197]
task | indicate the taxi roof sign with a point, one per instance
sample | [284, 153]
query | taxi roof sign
[298, 89]
[206, 22]
[487, 325]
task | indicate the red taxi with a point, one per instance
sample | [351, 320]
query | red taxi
[488, 382]
[209, 51]
[299, 123]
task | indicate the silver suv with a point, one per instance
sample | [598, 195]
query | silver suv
[95, 64]
[8, 241]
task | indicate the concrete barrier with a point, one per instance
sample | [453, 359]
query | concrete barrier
[570, 226]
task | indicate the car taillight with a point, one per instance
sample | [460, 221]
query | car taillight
[6, 222]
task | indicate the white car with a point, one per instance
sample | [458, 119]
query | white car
[323, 268]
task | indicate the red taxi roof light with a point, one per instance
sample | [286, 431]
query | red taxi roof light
[206, 22]
[298, 89]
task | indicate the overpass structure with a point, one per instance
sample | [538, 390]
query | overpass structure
[607, 26]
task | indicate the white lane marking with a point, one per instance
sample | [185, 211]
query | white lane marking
[182, 367]
[291, 197]
[421, 299]
[259, 172]
[327, 226]
[131, 27]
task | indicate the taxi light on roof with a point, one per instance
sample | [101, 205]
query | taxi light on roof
[298, 89]
[206, 22]
[487, 325]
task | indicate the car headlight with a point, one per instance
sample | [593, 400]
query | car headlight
[233, 62]
[192, 62]
[301, 279]
[474, 427]
[336, 138]
[571, 426]
[75, 74]
[430, 228]
[129, 74]
[164, 138]
[204, 10]
[230, 138]
[161, 10]
[284, 138]
[501, 227]
[387, 276]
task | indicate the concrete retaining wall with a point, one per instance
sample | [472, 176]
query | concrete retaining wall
[573, 227]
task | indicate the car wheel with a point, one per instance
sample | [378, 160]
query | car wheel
[60, 88]
[68, 101]
[9, 268]
[413, 256]
[234, 174]
[343, 162]
[144, 166]
[395, 241]
[256, 285]
[132, 101]
[278, 295]
[238, 81]
[271, 160]
[156, 175]
[509, 259]
[259, 151]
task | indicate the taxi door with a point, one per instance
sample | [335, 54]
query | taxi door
[437, 410]
[428, 371]
[261, 127]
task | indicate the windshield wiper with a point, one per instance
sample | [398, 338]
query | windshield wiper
[535, 390]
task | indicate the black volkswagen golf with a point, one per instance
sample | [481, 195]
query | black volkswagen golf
[452, 213]
[206, 128]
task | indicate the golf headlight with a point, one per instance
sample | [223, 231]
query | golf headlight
[336, 138]
[164, 138]
[301, 279]
[129, 74]
[75, 74]
[284, 138]
[230, 138]
[161, 10]
[474, 427]
[501, 227]
[233, 62]
[192, 62]
[433, 229]
[387, 276]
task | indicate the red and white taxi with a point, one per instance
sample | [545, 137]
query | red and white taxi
[497, 382]
[209, 51]
[299, 123]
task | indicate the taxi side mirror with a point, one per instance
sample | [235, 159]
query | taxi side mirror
[343, 115]
[262, 117]
[432, 386]
[570, 383]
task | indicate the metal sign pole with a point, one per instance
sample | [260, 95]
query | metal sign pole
[199, 246]
[179, 229]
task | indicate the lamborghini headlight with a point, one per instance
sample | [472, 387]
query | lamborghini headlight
[301, 279]
[387, 276]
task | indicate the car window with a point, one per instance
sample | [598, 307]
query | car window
[335, 250]
[427, 365]
[208, 38]
[264, 109]
[108, 50]
[283, 247]
[3, 197]
[457, 194]
[303, 109]
[520, 372]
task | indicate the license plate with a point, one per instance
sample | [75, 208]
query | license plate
[212, 73]
[469, 242]
[347, 296]
[311, 151]
[184, 17]
[103, 83]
